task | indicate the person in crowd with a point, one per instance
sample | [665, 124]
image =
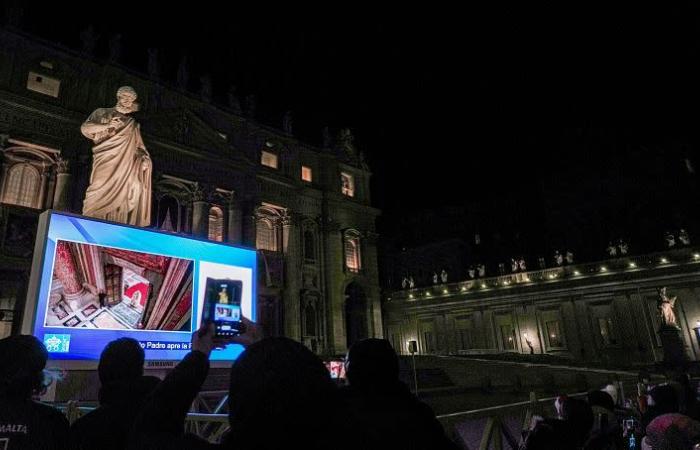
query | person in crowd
[123, 391]
[672, 432]
[281, 396]
[607, 432]
[662, 399]
[568, 431]
[25, 423]
[390, 414]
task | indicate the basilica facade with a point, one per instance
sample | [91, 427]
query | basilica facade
[218, 174]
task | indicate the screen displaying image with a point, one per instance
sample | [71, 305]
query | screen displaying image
[227, 313]
[336, 369]
[118, 289]
[94, 281]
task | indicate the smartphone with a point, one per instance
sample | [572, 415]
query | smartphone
[222, 305]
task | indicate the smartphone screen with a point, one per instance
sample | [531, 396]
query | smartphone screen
[223, 306]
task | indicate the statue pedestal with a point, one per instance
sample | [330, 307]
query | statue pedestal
[673, 345]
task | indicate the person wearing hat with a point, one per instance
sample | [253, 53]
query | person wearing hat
[123, 391]
[672, 432]
[25, 423]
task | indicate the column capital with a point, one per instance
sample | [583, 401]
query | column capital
[62, 165]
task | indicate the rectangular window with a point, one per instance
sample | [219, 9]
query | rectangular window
[464, 339]
[508, 337]
[607, 331]
[348, 184]
[554, 334]
[42, 84]
[268, 159]
[429, 342]
[306, 174]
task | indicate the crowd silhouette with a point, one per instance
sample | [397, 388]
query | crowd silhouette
[281, 395]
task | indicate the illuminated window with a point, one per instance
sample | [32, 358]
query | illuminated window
[352, 251]
[22, 186]
[554, 334]
[268, 159]
[306, 174]
[508, 337]
[216, 224]
[266, 235]
[347, 184]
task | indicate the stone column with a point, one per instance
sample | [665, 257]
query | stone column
[371, 271]
[60, 195]
[334, 277]
[200, 213]
[292, 278]
[249, 223]
[235, 222]
[65, 270]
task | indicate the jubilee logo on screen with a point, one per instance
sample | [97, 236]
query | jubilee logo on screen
[57, 343]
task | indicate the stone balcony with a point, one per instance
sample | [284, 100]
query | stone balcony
[623, 265]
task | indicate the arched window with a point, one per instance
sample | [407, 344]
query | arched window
[266, 238]
[309, 246]
[216, 224]
[22, 185]
[352, 251]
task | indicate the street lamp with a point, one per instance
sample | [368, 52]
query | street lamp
[413, 349]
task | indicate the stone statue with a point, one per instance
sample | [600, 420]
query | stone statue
[665, 305]
[435, 278]
[443, 276]
[287, 122]
[624, 247]
[404, 283]
[522, 265]
[558, 258]
[513, 265]
[120, 182]
[683, 237]
[411, 283]
[481, 269]
[612, 250]
[472, 272]
[569, 257]
[670, 240]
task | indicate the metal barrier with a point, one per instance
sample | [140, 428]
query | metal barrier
[495, 431]
[213, 425]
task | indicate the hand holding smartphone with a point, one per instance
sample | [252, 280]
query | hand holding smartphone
[222, 307]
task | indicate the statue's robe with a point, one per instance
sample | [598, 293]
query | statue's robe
[120, 183]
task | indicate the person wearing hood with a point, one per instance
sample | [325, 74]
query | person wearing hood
[25, 423]
[391, 415]
[123, 391]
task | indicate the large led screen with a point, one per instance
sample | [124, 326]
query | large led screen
[95, 281]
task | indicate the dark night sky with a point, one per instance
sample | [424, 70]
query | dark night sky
[466, 107]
